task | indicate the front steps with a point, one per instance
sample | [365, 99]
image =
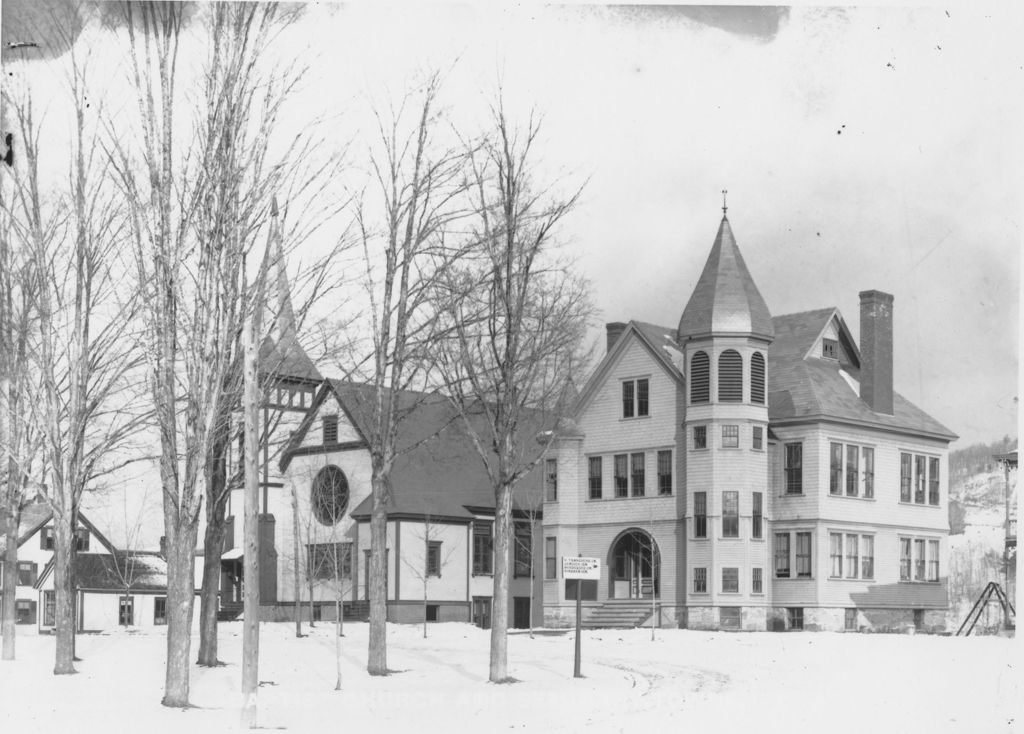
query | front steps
[626, 613]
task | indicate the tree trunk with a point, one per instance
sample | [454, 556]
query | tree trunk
[309, 578]
[213, 543]
[337, 641]
[499, 601]
[209, 597]
[377, 659]
[9, 611]
[297, 567]
[181, 552]
[63, 591]
[533, 530]
[251, 609]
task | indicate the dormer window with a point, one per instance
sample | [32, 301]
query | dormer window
[830, 348]
[635, 398]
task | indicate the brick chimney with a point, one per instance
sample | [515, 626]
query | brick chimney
[876, 350]
[614, 331]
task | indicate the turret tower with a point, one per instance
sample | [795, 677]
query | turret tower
[724, 332]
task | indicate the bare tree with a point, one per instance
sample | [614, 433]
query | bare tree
[416, 182]
[82, 348]
[518, 318]
[431, 564]
[19, 392]
[243, 101]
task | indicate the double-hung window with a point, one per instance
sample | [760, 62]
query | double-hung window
[665, 472]
[637, 462]
[700, 514]
[757, 516]
[782, 555]
[700, 580]
[730, 437]
[803, 555]
[433, 558]
[851, 470]
[851, 556]
[594, 477]
[730, 514]
[635, 398]
[700, 437]
[756, 581]
[551, 558]
[919, 559]
[730, 580]
[794, 468]
[483, 547]
[757, 440]
[551, 480]
[621, 477]
[919, 479]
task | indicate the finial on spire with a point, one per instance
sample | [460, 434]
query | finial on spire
[725, 208]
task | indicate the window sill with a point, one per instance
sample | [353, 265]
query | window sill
[700, 593]
[699, 449]
[794, 578]
[729, 537]
[625, 419]
[730, 593]
[703, 537]
[852, 497]
[728, 448]
[921, 504]
[791, 494]
[843, 578]
[480, 573]
[921, 583]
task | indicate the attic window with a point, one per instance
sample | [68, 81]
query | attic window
[830, 348]
[330, 429]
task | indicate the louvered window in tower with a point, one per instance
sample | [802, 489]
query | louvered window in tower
[757, 378]
[700, 378]
[730, 377]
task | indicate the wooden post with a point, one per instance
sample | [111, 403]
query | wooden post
[579, 615]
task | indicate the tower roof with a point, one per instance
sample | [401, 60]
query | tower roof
[725, 300]
[281, 354]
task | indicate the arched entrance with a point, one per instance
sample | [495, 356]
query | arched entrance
[635, 565]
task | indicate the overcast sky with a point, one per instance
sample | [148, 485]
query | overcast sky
[862, 148]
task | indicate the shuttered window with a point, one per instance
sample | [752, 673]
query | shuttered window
[730, 377]
[700, 378]
[757, 378]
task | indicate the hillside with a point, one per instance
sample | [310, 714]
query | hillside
[977, 512]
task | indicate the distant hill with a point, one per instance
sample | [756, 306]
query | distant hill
[977, 513]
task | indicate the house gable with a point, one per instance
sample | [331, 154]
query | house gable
[309, 436]
[637, 336]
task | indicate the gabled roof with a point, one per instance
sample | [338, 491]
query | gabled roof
[659, 341]
[437, 471]
[36, 515]
[725, 299]
[116, 571]
[810, 387]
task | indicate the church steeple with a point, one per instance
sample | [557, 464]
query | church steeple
[725, 300]
[281, 354]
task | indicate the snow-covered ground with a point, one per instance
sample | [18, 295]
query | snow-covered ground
[682, 681]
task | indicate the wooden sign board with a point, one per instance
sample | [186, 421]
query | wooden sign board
[578, 567]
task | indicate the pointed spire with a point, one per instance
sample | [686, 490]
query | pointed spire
[281, 352]
[725, 207]
[725, 299]
[284, 322]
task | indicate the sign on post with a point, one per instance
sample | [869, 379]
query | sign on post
[578, 567]
[582, 569]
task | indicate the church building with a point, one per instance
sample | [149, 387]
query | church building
[745, 471]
